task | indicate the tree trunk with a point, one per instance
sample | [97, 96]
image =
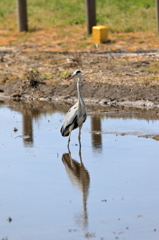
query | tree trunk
[22, 15]
[90, 14]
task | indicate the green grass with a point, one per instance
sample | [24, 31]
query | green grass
[118, 15]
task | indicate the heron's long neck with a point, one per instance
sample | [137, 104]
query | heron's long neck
[80, 99]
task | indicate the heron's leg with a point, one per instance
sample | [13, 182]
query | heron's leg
[80, 154]
[79, 138]
[68, 148]
[79, 146]
[69, 137]
[79, 134]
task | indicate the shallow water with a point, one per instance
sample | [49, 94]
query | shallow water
[49, 194]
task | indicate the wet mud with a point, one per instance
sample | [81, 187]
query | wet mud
[129, 79]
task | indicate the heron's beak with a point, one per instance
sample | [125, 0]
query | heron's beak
[70, 78]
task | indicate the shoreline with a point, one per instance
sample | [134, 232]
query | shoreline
[146, 104]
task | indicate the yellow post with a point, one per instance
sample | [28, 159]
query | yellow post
[100, 34]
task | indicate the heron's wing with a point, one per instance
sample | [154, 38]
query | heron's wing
[71, 121]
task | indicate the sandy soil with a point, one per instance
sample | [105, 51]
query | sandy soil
[109, 78]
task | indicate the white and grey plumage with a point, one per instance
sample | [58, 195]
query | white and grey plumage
[77, 114]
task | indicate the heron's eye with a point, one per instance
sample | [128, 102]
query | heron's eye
[78, 71]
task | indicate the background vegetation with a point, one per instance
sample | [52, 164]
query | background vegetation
[119, 15]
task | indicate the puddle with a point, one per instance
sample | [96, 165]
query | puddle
[109, 190]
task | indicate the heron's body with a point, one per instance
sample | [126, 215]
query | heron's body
[74, 119]
[77, 114]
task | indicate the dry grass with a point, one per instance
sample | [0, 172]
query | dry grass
[151, 81]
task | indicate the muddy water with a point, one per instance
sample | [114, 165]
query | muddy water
[108, 191]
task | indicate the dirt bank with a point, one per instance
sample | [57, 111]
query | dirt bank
[130, 79]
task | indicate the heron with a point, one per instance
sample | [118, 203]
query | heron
[77, 114]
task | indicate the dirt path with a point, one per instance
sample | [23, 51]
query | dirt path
[130, 79]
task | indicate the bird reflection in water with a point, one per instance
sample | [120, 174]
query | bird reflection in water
[79, 176]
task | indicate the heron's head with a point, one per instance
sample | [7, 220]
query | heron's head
[77, 73]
